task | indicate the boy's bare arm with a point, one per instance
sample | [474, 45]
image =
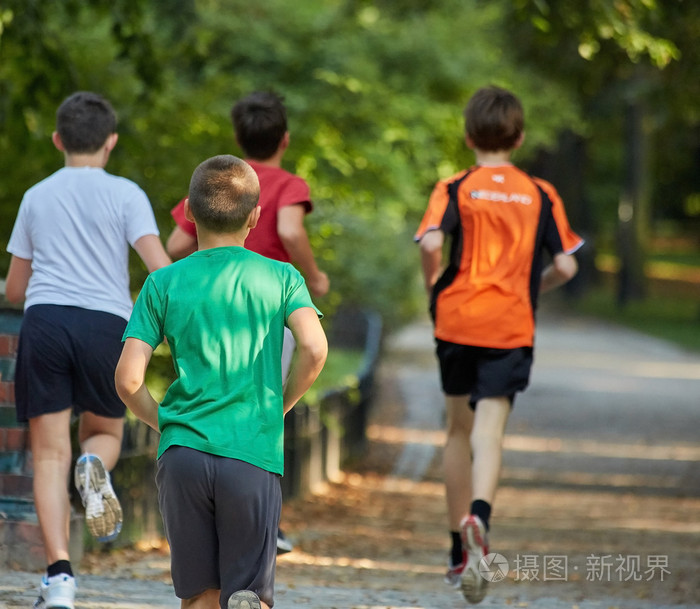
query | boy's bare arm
[151, 251]
[290, 227]
[180, 244]
[431, 257]
[562, 269]
[17, 279]
[130, 381]
[311, 352]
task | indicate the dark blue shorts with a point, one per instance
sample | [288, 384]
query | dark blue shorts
[66, 358]
[482, 372]
[221, 518]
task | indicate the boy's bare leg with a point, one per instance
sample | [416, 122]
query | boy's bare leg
[490, 421]
[457, 458]
[49, 437]
[209, 599]
[101, 436]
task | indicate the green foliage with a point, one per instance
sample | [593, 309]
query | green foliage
[613, 54]
[374, 92]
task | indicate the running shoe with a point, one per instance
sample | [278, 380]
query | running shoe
[283, 544]
[453, 577]
[244, 599]
[475, 541]
[57, 592]
[103, 513]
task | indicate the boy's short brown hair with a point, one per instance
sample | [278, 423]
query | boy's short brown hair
[223, 191]
[494, 119]
[260, 122]
[84, 121]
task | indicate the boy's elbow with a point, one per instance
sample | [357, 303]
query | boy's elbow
[14, 296]
[321, 353]
[431, 243]
[125, 384]
[566, 267]
[291, 236]
[317, 352]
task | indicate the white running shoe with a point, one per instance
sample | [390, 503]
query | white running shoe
[453, 577]
[57, 592]
[103, 513]
[475, 541]
[283, 544]
[244, 599]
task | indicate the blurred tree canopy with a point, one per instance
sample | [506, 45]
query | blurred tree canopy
[634, 66]
[374, 89]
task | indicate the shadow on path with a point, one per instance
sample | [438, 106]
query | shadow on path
[599, 505]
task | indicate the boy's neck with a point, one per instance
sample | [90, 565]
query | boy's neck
[97, 159]
[274, 161]
[207, 240]
[487, 157]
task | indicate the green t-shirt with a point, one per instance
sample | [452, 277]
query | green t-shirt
[223, 312]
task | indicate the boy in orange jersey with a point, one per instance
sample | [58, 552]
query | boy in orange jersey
[500, 222]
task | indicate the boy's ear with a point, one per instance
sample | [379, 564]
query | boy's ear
[56, 139]
[284, 142]
[253, 217]
[111, 142]
[520, 141]
[188, 211]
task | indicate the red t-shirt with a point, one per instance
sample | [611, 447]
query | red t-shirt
[500, 220]
[278, 188]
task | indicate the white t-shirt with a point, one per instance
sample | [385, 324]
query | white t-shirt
[76, 227]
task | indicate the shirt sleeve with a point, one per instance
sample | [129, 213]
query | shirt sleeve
[434, 215]
[570, 241]
[20, 243]
[298, 296]
[146, 321]
[295, 192]
[139, 219]
[178, 214]
[437, 205]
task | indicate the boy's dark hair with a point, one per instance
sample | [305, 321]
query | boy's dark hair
[260, 122]
[494, 119]
[223, 191]
[84, 121]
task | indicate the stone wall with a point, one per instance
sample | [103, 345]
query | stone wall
[21, 545]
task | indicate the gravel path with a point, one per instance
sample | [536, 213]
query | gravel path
[599, 506]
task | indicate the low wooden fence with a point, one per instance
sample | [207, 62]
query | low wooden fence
[318, 441]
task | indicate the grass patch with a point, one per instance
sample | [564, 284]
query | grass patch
[341, 370]
[672, 318]
[686, 258]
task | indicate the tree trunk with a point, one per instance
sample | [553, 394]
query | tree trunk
[633, 209]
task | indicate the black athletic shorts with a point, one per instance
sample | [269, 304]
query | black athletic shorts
[66, 357]
[482, 372]
[220, 517]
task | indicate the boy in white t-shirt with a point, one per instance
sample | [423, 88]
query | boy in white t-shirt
[69, 265]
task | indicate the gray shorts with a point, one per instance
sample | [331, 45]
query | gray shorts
[220, 517]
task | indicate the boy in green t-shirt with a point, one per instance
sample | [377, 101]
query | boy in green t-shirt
[223, 311]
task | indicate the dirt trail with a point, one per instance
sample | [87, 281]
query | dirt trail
[582, 514]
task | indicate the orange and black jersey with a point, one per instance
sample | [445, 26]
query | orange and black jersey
[501, 221]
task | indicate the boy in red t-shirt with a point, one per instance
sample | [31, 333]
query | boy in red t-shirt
[500, 221]
[260, 125]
